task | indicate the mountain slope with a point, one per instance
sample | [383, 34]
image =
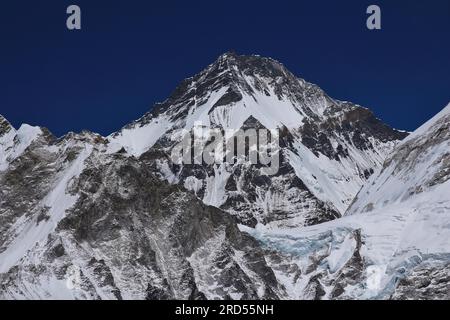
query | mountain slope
[79, 223]
[419, 167]
[393, 242]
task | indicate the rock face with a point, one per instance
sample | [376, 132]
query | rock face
[424, 282]
[79, 223]
[5, 126]
[14, 142]
[92, 217]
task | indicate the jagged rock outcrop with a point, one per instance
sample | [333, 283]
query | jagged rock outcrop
[77, 222]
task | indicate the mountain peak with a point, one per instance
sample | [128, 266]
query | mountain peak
[3, 119]
[235, 87]
[238, 75]
[229, 55]
[5, 126]
[253, 62]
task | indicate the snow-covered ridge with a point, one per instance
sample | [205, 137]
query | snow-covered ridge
[429, 124]
[420, 164]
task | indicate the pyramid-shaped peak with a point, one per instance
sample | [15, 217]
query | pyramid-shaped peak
[229, 55]
[233, 77]
[242, 71]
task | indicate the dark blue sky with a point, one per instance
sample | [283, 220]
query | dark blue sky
[133, 53]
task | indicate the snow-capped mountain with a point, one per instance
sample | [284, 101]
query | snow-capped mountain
[91, 217]
[394, 240]
[328, 147]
